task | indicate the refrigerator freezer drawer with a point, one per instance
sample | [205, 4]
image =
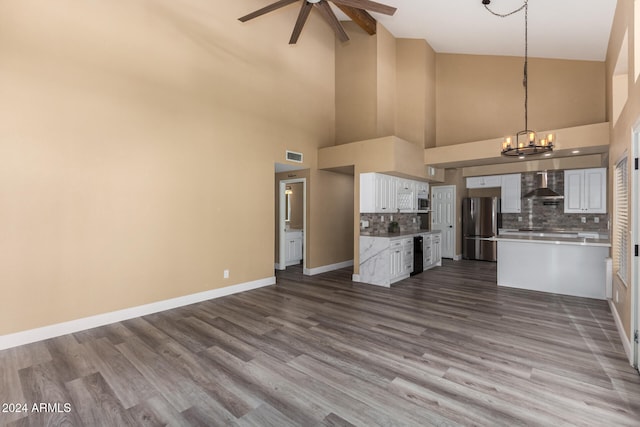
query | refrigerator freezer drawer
[480, 249]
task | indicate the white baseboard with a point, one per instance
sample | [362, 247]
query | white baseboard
[355, 277]
[623, 336]
[326, 268]
[457, 257]
[51, 331]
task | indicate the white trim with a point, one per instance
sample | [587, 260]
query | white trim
[634, 223]
[55, 330]
[276, 266]
[355, 277]
[623, 337]
[326, 268]
[457, 257]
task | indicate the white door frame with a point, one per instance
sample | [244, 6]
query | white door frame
[634, 191]
[282, 264]
[454, 214]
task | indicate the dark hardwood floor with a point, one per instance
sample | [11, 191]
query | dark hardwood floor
[443, 348]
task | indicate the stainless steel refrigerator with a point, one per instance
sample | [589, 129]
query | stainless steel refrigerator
[480, 221]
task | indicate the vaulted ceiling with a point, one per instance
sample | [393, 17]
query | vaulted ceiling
[566, 29]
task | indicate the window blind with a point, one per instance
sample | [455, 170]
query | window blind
[621, 212]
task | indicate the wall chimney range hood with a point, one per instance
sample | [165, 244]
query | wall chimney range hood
[542, 192]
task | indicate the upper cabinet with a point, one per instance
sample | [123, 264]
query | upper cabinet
[510, 189]
[380, 193]
[484, 181]
[377, 193]
[510, 193]
[405, 197]
[585, 190]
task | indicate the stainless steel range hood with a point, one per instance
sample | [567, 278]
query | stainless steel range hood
[542, 192]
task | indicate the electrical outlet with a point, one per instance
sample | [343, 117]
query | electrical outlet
[225, 274]
[390, 217]
[583, 219]
[414, 220]
[382, 218]
[596, 220]
[519, 219]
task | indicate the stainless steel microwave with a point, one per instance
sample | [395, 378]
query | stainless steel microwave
[423, 204]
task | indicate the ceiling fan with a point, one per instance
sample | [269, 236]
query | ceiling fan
[354, 9]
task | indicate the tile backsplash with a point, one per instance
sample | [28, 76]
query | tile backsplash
[408, 222]
[537, 214]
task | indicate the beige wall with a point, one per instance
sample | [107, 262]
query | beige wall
[331, 211]
[386, 82]
[122, 125]
[416, 92]
[365, 85]
[621, 131]
[481, 97]
[356, 73]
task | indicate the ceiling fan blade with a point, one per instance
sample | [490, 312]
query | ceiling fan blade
[360, 17]
[302, 18]
[332, 20]
[368, 5]
[266, 9]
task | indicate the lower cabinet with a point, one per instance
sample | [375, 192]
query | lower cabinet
[407, 256]
[293, 250]
[395, 260]
[386, 260]
[432, 249]
[437, 249]
[400, 259]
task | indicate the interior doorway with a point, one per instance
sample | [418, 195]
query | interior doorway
[292, 228]
[291, 239]
[443, 217]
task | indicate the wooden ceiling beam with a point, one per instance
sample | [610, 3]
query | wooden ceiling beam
[360, 17]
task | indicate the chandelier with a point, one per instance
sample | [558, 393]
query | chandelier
[525, 142]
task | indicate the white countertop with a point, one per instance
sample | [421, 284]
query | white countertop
[583, 241]
[397, 235]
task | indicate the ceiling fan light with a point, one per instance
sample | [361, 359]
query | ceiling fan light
[313, 1]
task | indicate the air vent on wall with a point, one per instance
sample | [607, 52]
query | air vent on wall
[292, 156]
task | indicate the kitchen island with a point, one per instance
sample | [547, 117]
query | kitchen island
[562, 263]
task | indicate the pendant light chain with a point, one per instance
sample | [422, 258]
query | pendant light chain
[526, 63]
[525, 6]
[530, 147]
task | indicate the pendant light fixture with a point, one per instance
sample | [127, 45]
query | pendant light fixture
[525, 142]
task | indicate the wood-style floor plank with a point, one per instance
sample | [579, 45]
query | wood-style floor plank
[442, 348]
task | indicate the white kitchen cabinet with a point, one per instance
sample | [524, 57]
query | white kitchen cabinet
[427, 250]
[407, 255]
[484, 181]
[400, 259]
[385, 260]
[395, 260]
[378, 193]
[432, 249]
[293, 250]
[585, 190]
[510, 193]
[436, 247]
[405, 195]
